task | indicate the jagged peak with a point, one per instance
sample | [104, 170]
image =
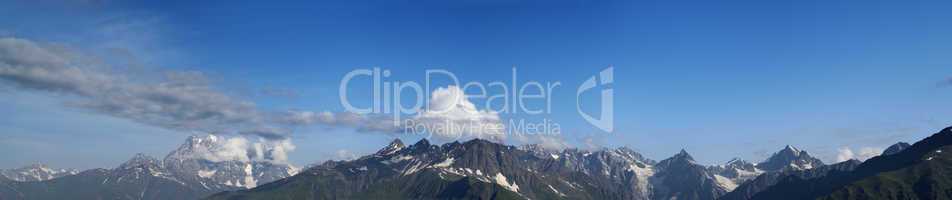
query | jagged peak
[35, 172]
[737, 160]
[683, 154]
[397, 142]
[196, 141]
[628, 150]
[791, 149]
[44, 167]
[423, 142]
[625, 148]
[790, 157]
[682, 158]
[140, 159]
[478, 141]
[393, 147]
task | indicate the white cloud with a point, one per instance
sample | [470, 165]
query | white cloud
[845, 153]
[450, 116]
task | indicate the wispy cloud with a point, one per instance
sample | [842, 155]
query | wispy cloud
[178, 100]
[278, 92]
[187, 100]
[360, 122]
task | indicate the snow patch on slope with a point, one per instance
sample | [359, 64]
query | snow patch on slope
[206, 173]
[725, 182]
[250, 181]
[502, 181]
[556, 191]
[445, 163]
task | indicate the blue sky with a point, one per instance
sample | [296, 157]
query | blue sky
[719, 79]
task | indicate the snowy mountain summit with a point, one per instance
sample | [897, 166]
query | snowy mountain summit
[790, 158]
[35, 172]
[227, 161]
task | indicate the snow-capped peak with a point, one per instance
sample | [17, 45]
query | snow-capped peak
[736, 160]
[423, 143]
[683, 154]
[790, 158]
[140, 160]
[791, 149]
[232, 161]
[35, 172]
[738, 163]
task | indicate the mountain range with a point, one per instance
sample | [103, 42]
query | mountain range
[180, 175]
[481, 169]
[35, 172]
